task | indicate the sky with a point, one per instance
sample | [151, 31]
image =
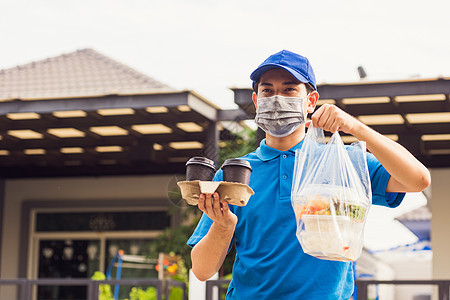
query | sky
[211, 46]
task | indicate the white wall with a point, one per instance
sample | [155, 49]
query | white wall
[369, 264]
[440, 222]
[66, 189]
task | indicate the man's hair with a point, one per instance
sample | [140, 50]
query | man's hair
[309, 87]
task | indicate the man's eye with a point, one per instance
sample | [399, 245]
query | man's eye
[266, 90]
[290, 90]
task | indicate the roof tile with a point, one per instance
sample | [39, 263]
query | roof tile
[83, 73]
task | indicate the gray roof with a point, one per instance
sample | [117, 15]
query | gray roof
[83, 73]
[419, 214]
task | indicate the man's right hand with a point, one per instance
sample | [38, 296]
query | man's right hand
[217, 210]
[210, 252]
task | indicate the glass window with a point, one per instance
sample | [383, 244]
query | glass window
[110, 221]
[67, 259]
[79, 256]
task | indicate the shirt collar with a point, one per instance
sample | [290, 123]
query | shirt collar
[266, 153]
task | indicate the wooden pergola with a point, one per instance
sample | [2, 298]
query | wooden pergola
[416, 113]
[85, 114]
[111, 135]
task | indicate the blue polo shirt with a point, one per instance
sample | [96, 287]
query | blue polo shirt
[270, 263]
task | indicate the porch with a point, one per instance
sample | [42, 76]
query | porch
[26, 286]
[214, 288]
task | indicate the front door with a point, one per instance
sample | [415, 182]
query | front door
[76, 245]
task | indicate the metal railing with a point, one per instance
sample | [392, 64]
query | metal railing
[210, 284]
[174, 283]
[361, 286]
[26, 285]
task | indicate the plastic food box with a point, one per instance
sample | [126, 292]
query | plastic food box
[330, 246]
[331, 222]
[328, 224]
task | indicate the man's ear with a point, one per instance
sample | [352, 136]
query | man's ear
[254, 98]
[312, 101]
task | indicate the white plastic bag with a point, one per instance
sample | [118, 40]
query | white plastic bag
[331, 196]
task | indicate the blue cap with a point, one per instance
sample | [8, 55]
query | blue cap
[294, 63]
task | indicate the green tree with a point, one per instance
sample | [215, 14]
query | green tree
[105, 292]
[138, 293]
[174, 240]
[237, 145]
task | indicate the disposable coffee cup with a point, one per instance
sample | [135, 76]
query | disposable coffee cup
[236, 170]
[200, 168]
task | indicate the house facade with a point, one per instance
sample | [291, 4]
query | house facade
[90, 154]
[91, 150]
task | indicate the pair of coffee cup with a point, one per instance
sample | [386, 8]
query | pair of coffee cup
[234, 170]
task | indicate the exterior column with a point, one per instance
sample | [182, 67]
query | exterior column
[211, 148]
[440, 223]
[2, 198]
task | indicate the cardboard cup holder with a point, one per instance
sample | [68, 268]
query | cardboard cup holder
[232, 192]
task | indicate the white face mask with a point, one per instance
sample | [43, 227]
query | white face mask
[280, 116]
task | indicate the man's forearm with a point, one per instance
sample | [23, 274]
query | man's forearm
[208, 255]
[407, 173]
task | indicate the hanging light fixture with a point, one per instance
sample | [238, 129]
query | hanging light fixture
[92, 251]
[47, 252]
[68, 252]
